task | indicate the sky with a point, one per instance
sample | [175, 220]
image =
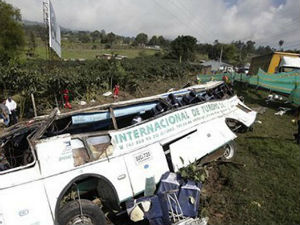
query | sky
[263, 21]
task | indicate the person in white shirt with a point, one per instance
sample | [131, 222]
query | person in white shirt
[12, 107]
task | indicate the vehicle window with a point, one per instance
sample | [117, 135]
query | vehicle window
[100, 146]
[80, 154]
[287, 69]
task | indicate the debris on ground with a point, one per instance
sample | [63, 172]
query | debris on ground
[191, 221]
[107, 94]
[260, 109]
[274, 98]
[82, 103]
[282, 111]
[255, 203]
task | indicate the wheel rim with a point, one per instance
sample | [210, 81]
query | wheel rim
[80, 220]
[229, 152]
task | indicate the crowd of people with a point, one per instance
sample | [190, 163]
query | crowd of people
[8, 112]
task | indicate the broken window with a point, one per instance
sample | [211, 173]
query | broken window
[80, 154]
[99, 146]
[15, 151]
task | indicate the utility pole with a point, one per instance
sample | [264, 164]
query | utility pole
[241, 48]
[221, 54]
[46, 25]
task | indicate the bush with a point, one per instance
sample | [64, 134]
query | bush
[47, 80]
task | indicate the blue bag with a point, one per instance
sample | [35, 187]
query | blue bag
[189, 198]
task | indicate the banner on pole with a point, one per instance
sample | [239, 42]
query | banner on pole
[54, 30]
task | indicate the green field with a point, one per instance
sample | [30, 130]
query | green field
[263, 185]
[72, 50]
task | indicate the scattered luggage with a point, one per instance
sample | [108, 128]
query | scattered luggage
[175, 201]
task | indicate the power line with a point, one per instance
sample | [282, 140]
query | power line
[187, 12]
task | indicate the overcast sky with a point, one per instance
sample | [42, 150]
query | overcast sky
[264, 21]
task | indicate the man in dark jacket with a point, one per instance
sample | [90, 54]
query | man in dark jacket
[297, 136]
[4, 113]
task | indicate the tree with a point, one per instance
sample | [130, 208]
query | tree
[229, 52]
[153, 40]
[11, 32]
[280, 44]
[141, 39]
[32, 42]
[84, 37]
[95, 35]
[250, 46]
[183, 48]
[162, 41]
[111, 37]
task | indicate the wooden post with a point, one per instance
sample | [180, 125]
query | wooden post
[56, 102]
[111, 82]
[33, 104]
[112, 114]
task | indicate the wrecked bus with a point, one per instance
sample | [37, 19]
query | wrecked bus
[63, 168]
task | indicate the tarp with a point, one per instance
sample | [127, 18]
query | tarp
[280, 82]
[285, 82]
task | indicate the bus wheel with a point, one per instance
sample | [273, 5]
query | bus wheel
[229, 151]
[81, 212]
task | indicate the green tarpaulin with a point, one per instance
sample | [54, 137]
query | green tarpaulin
[287, 83]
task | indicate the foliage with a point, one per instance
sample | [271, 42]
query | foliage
[194, 172]
[237, 52]
[110, 37]
[183, 48]
[95, 35]
[11, 32]
[141, 39]
[46, 79]
[84, 37]
[153, 40]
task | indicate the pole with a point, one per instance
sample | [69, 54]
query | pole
[33, 104]
[221, 54]
[46, 26]
[56, 102]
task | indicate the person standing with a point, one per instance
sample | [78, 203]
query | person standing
[12, 107]
[297, 120]
[116, 91]
[4, 114]
[66, 96]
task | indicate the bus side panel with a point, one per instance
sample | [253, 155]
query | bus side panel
[112, 170]
[206, 139]
[149, 161]
[25, 204]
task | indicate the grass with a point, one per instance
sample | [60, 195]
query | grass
[267, 189]
[91, 53]
[72, 50]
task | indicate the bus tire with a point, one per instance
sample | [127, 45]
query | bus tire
[71, 214]
[229, 151]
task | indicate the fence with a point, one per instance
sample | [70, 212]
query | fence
[287, 82]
